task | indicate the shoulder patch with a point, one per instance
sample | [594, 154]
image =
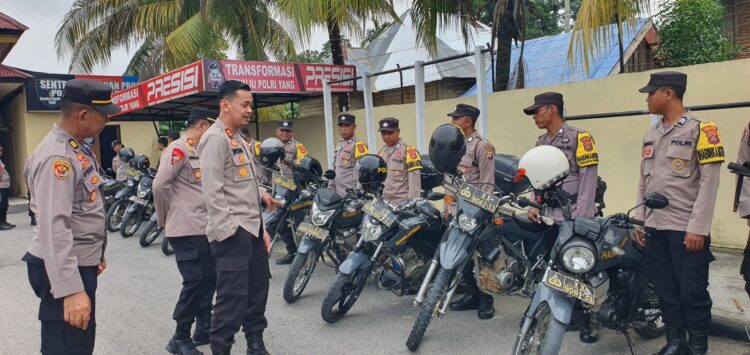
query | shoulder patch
[73, 144]
[301, 151]
[177, 155]
[61, 169]
[413, 159]
[710, 149]
[489, 151]
[586, 153]
[360, 149]
[256, 148]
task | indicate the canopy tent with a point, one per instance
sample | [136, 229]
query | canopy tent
[169, 97]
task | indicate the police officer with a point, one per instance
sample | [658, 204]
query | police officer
[742, 204]
[234, 227]
[67, 250]
[293, 150]
[580, 184]
[346, 155]
[476, 166]
[118, 165]
[404, 164]
[681, 159]
[181, 210]
[4, 195]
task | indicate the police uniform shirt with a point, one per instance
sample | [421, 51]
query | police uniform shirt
[682, 162]
[477, 165]
[64, 186]
[743, 208]
[120, 167]
[4, 177]
[345, 158]
[230, 187]
[178, 192]
[292, 150]
[403, 181]
[583, 159]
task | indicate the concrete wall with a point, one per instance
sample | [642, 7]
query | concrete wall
[618, 139]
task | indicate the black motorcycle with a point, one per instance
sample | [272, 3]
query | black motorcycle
[166, 248]
[121, 202]
[596, 264]
[141, 205]
[150, 232]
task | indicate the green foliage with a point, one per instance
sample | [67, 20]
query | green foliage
[692, 32]
[544, 17]
[310, 56]
[345, 42]
[373, 33]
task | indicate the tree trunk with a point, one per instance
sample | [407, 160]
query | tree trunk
[504, 43]
[337, 56]
[619, 38]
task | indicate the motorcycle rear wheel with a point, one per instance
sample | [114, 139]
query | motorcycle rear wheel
[545, 336]
[149, 234]
[300, 272]
[342, 295]
[435, 295]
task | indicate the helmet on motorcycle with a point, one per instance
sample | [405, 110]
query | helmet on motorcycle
[447, 147]
[371, 169]
[307, 169]
[126, 154]
[544, 166]
[271, 150]
[141, 162]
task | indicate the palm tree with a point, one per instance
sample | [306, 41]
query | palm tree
[591, 31]
[168, 33]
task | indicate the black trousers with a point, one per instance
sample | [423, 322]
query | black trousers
[4, 194]
[680, 279]
[242, 276]
[198, 270]
[745, 266]
[58, 337]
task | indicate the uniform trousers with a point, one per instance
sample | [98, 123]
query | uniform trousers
[198, 270]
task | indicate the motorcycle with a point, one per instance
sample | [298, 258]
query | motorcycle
[166, 248]
[151, 232]
[594, 263]
[508, 250]
[399, 241]
[121, 202]
[141, 205]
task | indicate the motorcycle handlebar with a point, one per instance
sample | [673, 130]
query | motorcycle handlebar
[637, 222]
[525, 202]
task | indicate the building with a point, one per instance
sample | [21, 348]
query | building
[737, 14]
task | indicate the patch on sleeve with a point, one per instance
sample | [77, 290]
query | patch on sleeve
[413, 159]
[360, 149]
[256, 148]
[177, 155]
[489, 152]
[61, 169]
[301, 151]
[710, 149]
[586, 153]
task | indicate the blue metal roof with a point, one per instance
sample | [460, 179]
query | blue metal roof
[546, 59]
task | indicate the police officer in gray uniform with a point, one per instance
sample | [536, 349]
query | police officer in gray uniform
[293, 150]
[346, 155]
[234, 228]
[681, 159]
[119, 166]
[67, 250]
[403, 181]
[181, 210]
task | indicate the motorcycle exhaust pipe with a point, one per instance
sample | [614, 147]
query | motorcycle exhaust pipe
[447, 301]
[425, 282]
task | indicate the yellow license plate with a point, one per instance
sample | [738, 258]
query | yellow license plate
[570, 286]
[479, 198]
[284, 182]
[308, 230]
[380, 212]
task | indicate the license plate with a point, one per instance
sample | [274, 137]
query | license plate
[138, 200]
[284, 182]
[380, 212]
[450, 188]
[570, 286]
[479, 198]
[309, 230]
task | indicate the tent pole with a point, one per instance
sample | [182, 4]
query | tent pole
[257, 120]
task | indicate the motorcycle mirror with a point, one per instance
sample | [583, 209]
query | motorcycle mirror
[435, 196]
[329, 174]
[656, 201]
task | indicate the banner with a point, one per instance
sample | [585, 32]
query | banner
[44, 91]
[175, 84]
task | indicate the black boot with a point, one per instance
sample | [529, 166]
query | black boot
[181, 343]
[5, 227]
[675, 342]
[587, 334]
[486, 307]
[9, 225]
[255, 345]
[469, 301]
[286, 259]
[697, 342]
[202, 327]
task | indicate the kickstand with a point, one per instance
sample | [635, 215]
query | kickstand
[626, 333]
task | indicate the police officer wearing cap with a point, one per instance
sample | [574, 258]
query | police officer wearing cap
[235, 227]
[580, 184]
[67, 250]
[346, 155]
[119, 166]
[293, 150]
[681, 159]
[403, 181]
[742, 203]
[181, 210]
[477, 166]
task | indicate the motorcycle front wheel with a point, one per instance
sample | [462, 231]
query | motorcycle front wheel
[545, 336]
[435, 295]
[650, 316]
[342, 295]
[149, 234]
[114, 215]
[299, 274]
[131, 222]
[166, 248]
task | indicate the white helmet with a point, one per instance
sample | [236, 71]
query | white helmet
[544, 166]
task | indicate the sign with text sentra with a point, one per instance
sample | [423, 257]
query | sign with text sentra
[44, 91]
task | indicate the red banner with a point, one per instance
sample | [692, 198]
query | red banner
[314, 74]
[270, 77]
[177, 83]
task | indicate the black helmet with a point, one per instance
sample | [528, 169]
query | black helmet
[447, 147]
[372, 169]
[126, 154]
[271, 150]
[141, 162]
[307, 169]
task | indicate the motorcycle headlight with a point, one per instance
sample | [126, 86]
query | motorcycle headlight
[371, 229]
[319, 217]
[578, 259]
[467, 223]
[142, 192]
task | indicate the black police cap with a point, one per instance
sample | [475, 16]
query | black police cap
[91, 93]
[465, 110]
[547, 98]
[665, 79]
[346, 118]
[197, 114]
[286, 125]
[388, 124]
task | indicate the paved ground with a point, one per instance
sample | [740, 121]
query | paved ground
[137, 293]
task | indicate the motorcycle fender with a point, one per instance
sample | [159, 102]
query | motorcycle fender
[560, 304]
[308, 244]
[122, 193]
[133, 208]
[355, 261]
[454, 250]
